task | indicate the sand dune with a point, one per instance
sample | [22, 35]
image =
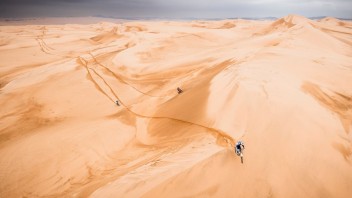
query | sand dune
[284, 87]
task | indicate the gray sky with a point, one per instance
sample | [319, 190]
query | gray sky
[175, 8]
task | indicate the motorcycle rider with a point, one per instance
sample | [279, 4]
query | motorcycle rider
[239, 147]
[179, 90]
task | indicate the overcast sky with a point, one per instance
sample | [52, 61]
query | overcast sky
[175, 8]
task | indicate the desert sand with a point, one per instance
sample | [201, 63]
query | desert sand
[283, 87]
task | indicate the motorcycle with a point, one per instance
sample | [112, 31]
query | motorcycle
[239, 152]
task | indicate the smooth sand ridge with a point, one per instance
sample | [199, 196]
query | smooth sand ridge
[283, 87]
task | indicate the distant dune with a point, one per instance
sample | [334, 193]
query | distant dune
[284, 87]
[56, 20]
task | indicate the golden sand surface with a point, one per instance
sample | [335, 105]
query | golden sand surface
[283, 87]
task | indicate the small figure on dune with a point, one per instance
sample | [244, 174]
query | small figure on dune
[117, 103]
[179, 90]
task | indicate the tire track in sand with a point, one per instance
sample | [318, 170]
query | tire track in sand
[220, 135]
[123, 81]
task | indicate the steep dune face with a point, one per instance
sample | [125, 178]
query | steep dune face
[107, 37]
[283, 87]
[290, 21]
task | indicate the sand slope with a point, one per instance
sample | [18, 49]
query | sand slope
[283, 87]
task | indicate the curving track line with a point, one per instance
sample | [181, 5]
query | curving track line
[43, 47]
[216, 132]
[144, 93]
[123, 81]
[90, 77]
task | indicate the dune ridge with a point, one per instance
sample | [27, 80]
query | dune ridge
[283, 87]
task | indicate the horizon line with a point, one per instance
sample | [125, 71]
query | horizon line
[170, 18]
